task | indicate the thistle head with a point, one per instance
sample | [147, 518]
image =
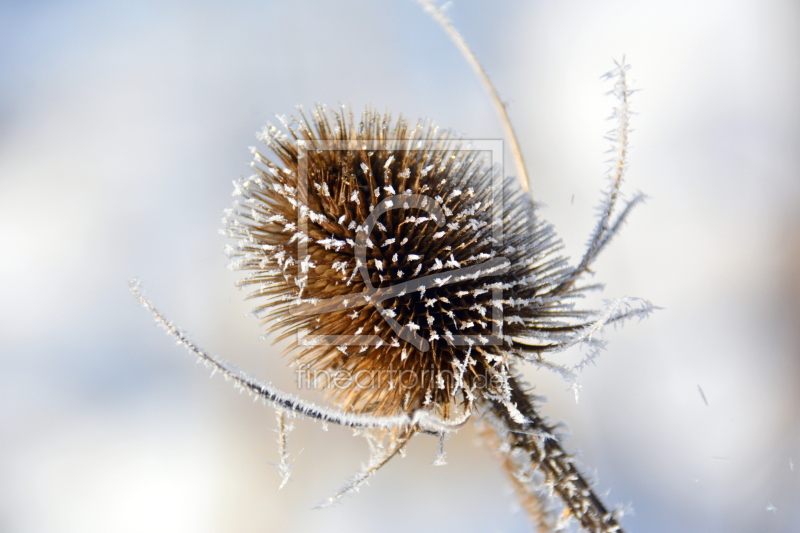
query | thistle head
[412, 274]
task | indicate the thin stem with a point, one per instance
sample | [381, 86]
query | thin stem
[377, 462]
[439, 16]
[532, 503]
[284, 467]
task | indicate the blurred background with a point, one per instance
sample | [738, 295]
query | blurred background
[122, 126]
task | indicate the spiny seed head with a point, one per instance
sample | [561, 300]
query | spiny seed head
[416, 275]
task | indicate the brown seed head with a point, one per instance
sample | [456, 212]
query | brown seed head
[416, 282]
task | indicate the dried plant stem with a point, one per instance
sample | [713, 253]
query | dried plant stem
[538, 466]
[531, 502]
[438, 15]
[284, 466]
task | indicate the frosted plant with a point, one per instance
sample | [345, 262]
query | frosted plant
[415, 280]
[284, 466]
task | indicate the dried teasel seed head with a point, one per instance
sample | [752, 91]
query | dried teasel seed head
[413, 274]
[416, 277]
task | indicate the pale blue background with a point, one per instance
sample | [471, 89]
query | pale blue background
[122, 126]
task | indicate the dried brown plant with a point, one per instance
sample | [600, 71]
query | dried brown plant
[415, 279]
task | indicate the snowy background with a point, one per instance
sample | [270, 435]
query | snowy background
[122, 126]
